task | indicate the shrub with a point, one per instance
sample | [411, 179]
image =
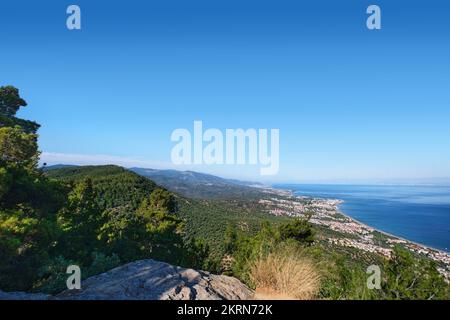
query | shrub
[407, 277]
[285, 274]
[297, 229]
[53, 274]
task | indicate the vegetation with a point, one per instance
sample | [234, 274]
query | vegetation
[115, 187]
[196, 185]
[409, 278]
[99, 217]
[285, 274]
[95, 217]
[282, 264]
[209, 220]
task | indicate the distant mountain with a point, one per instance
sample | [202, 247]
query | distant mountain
[200, 185]
[189, 184]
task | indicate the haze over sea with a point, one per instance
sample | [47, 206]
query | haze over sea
[418, 213]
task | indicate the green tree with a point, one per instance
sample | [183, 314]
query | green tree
[298, 229]
[163, 227]
[407, 277]
[230, 239]
[18, 147]
[80, 222]
[10, 102]
[28, 201]
[196, 255]
[95, 222]
[160, 200]
[151, 231]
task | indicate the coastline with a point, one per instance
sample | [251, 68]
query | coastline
[325, 210]
[385, 232]
[339, 210]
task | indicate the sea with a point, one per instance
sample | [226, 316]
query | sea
[419, 213]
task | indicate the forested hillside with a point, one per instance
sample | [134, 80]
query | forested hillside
[199, 185]
[95, 217]
[115, 186]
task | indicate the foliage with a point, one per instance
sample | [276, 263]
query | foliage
[249, 249]
[138, 218]
[230, 239]
[28, 201]
[80, 221]
[197, 255]
[115, 187]
[343, 275]
[163, 228]
[18, 147]
[53, 275]
[10, 102]
[406, 277]
[100, 216]
[299, 229]
[209, 219]
[94, 217]
[197, 185]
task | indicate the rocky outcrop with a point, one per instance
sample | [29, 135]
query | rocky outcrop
[154, 280]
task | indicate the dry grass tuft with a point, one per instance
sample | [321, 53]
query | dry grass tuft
[285, 276]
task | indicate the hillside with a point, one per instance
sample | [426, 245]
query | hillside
[188, 184]
[209, 219]
[263, 220]
[256, 223]
[205, 218]
[201, 186]
[115, 185]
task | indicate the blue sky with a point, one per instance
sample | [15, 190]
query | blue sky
[351, 104]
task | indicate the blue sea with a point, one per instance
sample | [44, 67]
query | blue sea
[417, 213]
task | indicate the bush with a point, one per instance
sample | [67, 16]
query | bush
[285, 274]
[101, 263]
[298, 229]
[53, 274]
[407, 277]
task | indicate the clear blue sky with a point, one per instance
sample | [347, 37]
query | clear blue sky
[351, 104]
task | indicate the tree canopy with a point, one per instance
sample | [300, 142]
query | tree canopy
[94, 217]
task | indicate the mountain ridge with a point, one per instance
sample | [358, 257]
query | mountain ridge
[189, 184]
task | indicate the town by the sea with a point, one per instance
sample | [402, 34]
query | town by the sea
[419, 213]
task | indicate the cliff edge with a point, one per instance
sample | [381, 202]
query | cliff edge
[149, 280]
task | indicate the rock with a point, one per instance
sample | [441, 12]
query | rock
[154, 280]
[148, 280]
[23, 296]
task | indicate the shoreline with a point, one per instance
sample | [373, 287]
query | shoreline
[385, 233]
[292, 193]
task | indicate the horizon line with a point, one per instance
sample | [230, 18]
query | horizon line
[71, 159]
